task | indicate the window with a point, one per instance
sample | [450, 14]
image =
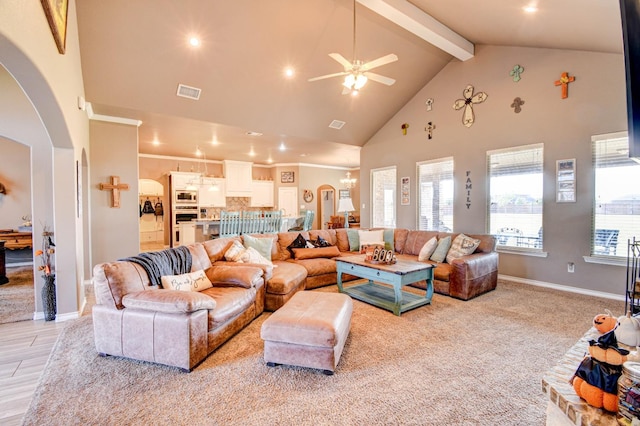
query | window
[383, 197]
[435, 195]
[616, 213]
[515, 196]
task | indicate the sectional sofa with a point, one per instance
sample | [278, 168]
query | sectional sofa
[133, 318]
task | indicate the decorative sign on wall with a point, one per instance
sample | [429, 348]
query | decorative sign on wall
[467, 186]
[564, 81]
[517, 104]
[429, 104]
[429, 129]
[405, 199]
[467, 103]
[516, 72]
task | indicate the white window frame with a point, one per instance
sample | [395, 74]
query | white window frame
[445, 225]
[389, 198]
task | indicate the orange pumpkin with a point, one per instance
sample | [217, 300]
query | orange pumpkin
[594, 396]
[604, 323]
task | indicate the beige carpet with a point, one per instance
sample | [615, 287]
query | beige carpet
[17, 296]
[452, 363]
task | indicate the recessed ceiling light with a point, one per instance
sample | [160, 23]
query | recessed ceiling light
[198, 152]
[155, 142]
[252, 153]
[282, 147]
[269, 160]
[194, 41]
[532, 8]
[215, 142]
[289, 72]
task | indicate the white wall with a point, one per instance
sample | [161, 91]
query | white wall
[596, 105]
[15, 175]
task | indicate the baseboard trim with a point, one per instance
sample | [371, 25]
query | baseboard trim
[568, 289]
[39, 316]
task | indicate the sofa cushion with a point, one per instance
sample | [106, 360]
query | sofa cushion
[440, 254]
[299, 242]
[388, 238]
[414, 241]
[193, 281]
[342, 239]
[243, 275]
[313, 253]
[230, 302]
[462, 246]
[217, 247]
[263, 243]
[427, 249]
[329, 235]
[370, 237]
[399, 238]
[199, 257]
[286, 277]
[284, 240]
[318, 266]
[169, 301]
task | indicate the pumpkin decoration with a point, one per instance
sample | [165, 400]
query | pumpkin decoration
[596, 379]
[628, 330]
[604, 323]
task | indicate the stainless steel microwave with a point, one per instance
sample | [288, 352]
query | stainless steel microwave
[185, 196]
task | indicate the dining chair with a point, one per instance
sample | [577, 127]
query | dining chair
[272, 221]
[251, 222]
[229, 224]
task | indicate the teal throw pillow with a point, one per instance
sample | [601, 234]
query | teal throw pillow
[388, 239]
[262, 245]
[354, 239]
[441, 251]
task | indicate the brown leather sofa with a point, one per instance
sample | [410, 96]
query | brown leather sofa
[134, 319]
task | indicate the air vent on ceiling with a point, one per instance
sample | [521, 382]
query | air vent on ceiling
[337, 124]
[188, 92]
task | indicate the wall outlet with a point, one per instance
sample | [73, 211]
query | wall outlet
[571, 267]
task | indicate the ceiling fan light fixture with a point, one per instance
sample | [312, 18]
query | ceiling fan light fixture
[361, 80]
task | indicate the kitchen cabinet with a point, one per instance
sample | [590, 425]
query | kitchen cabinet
[150, 187]
[180, 180]
[212, 198]
[238, 178]
[187, 233]
[262, 193]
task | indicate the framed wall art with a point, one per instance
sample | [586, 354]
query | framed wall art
[56, 12]
[405, 198]
[287, 177]
[566, 181]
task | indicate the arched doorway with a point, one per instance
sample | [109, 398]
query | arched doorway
[326, 205]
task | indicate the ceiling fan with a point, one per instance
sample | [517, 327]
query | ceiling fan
[357, 72]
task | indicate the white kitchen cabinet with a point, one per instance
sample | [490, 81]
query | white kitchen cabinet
[150, 187]
[238, 177]
[180, 180]
[212, 198]
[262, 193]
[187, 233]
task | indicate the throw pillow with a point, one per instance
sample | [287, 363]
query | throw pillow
[441, 251]
[320, 242]
[388, 239]
[315, 253]
[427, 249]
[194, 281]
[263, 245]
[252, 255]
[354, 239]
[299, 242]
[371, 237]
[462, 246]
[234, 253]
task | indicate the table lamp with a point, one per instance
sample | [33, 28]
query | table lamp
[345, 205]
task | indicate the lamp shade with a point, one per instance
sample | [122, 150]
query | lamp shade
[345, 205]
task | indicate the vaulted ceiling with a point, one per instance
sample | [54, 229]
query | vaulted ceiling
[136, 53]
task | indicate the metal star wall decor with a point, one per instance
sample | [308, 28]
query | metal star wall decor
[467, 102]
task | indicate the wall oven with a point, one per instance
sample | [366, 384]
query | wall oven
[185, 216]
[186, 196]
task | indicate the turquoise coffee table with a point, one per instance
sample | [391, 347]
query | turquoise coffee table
[397, 275]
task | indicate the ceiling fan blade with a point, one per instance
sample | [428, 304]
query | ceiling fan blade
[322, 77]
[379, 78]
[338, 57]
[345, 90]
[384, 60]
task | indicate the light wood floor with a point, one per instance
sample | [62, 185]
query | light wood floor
[24, 350]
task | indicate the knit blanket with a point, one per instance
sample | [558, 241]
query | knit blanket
[174, 261]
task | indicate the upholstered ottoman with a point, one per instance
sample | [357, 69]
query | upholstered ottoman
[310, 330]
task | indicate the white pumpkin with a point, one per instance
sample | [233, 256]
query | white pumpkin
[628, 330]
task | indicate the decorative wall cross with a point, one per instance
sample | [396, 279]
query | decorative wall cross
[564, 82]
[429, 104]
[517, 103]
[115, 187]
[515, 72]
[467, 103]
[429, 129]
